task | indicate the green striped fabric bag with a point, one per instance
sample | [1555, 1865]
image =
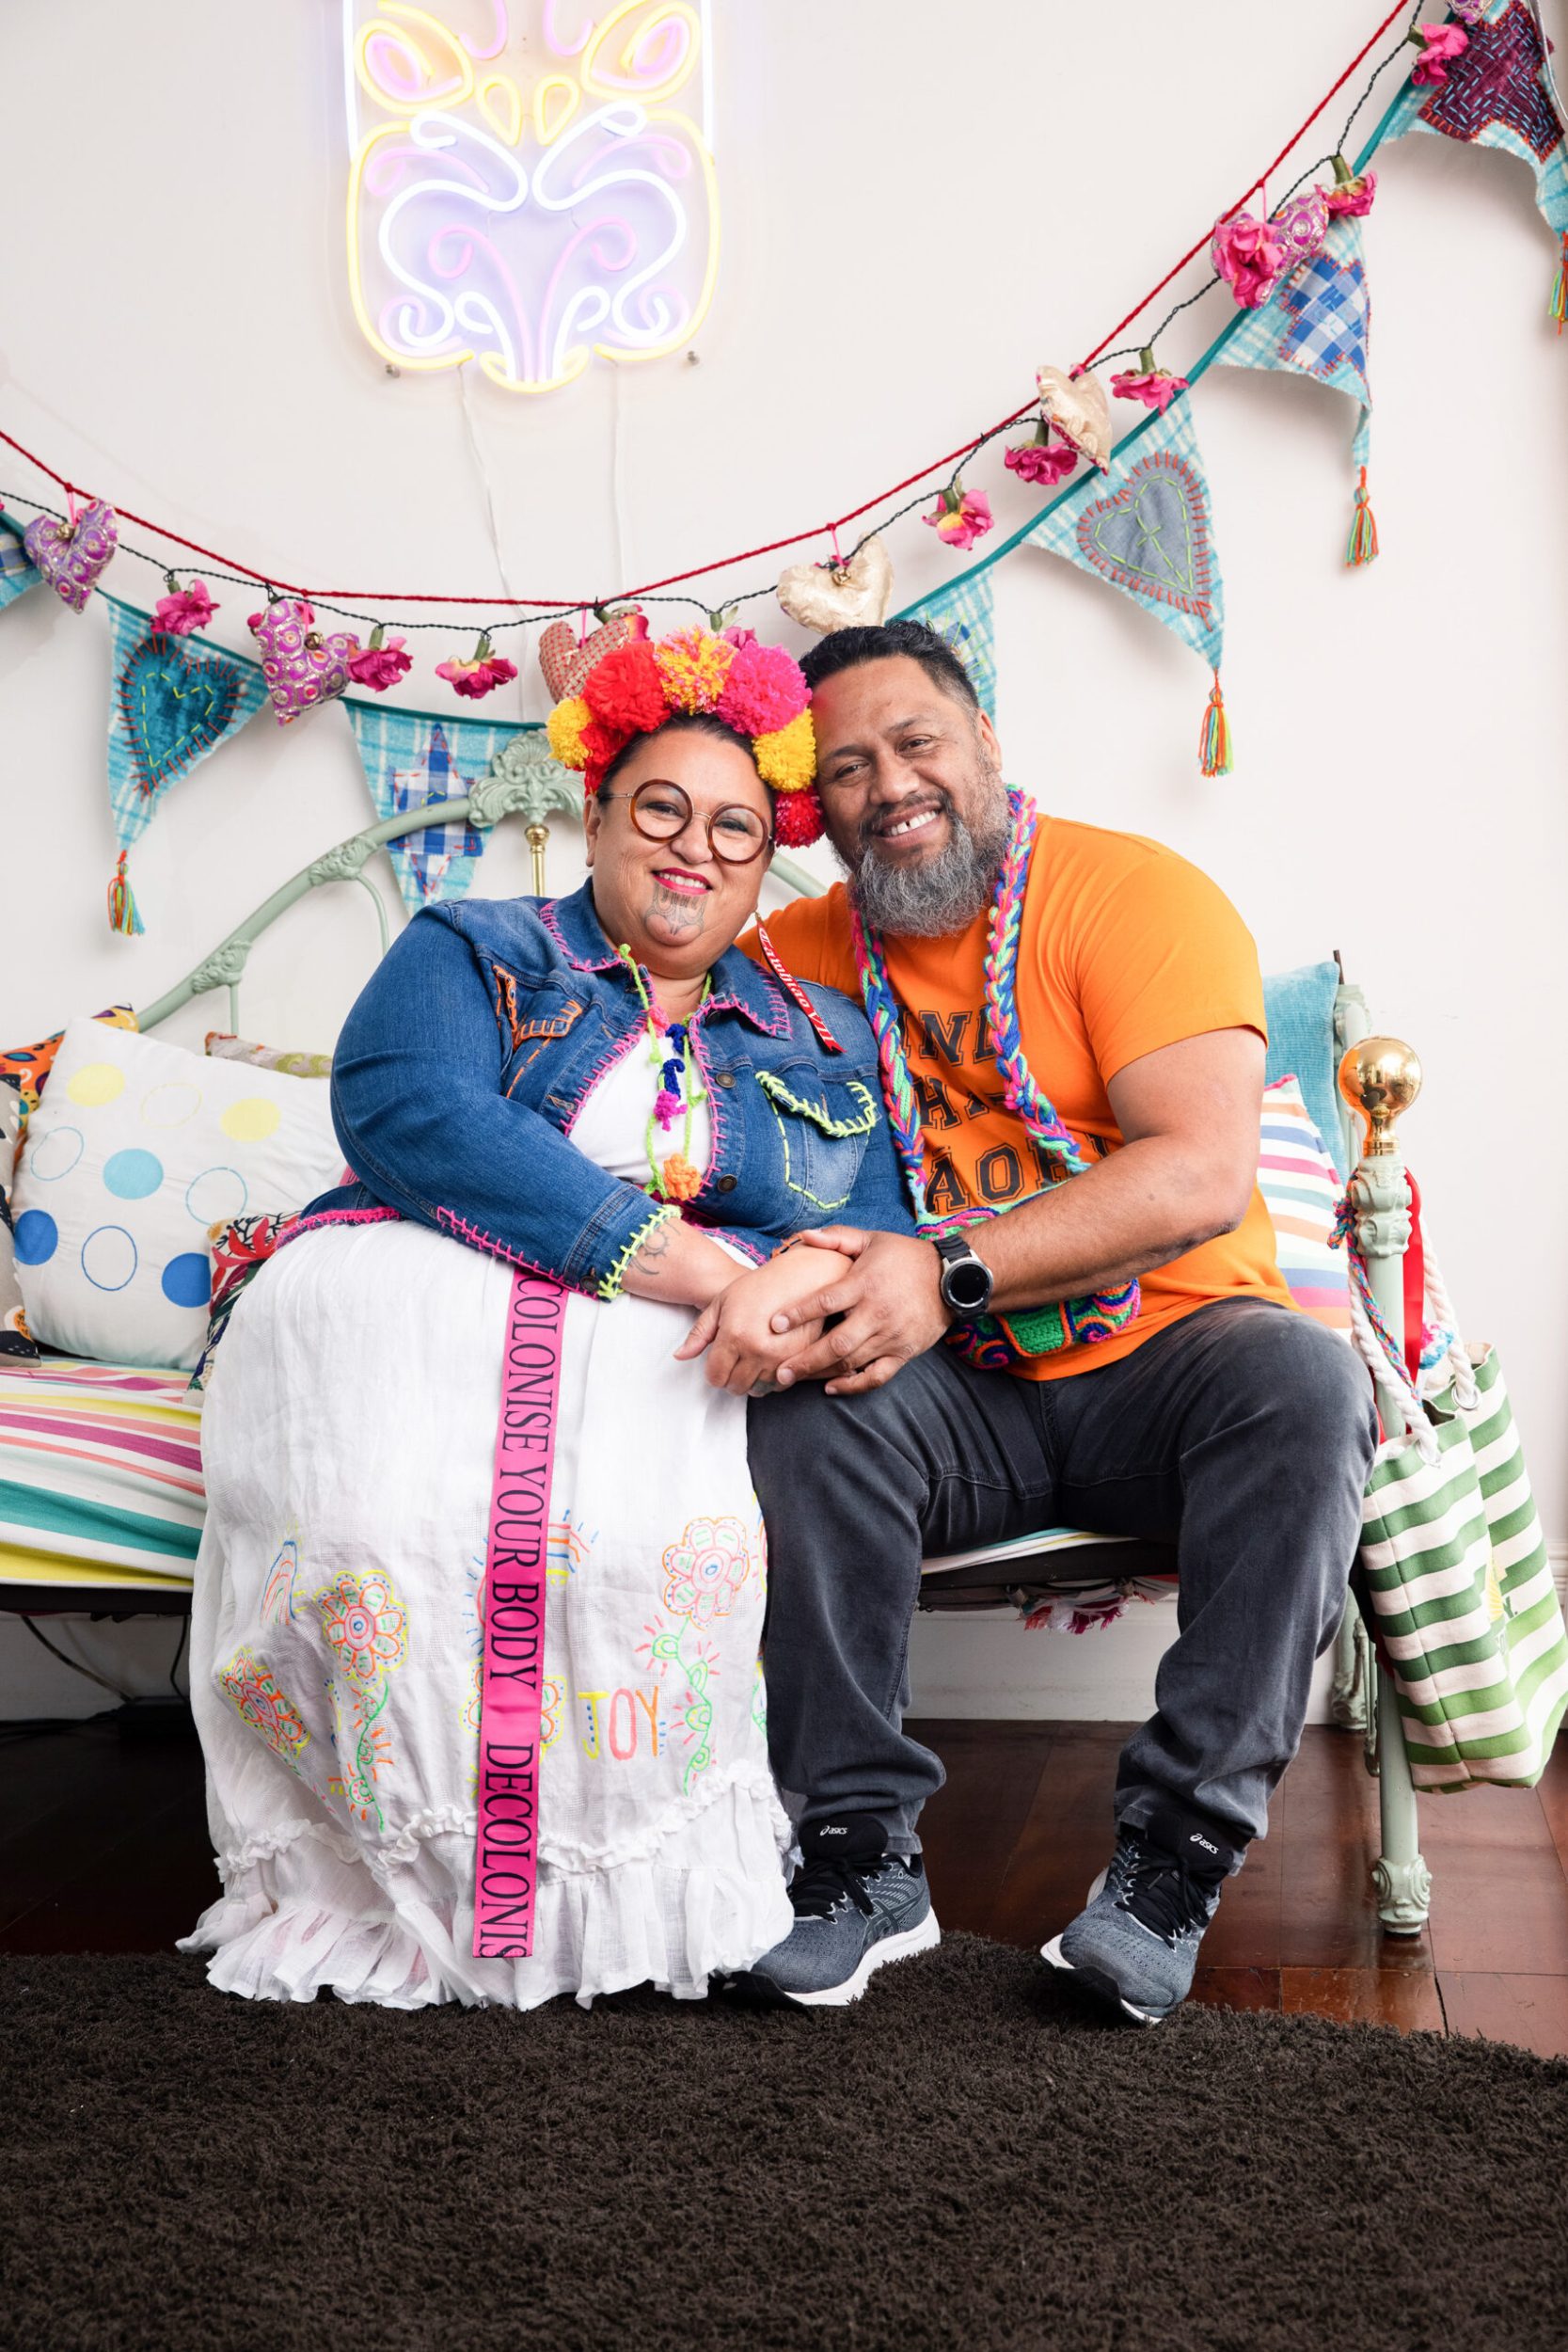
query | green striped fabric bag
[1463, 1609]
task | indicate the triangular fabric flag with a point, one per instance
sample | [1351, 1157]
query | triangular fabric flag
[409, 756]
[172, 701]
[1146, 525]
[1500, 92]
[964, 614]
[1317, 323]
[18, 571]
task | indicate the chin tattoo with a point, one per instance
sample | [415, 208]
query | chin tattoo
[687, 914]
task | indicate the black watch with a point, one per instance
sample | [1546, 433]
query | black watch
[966, 1280]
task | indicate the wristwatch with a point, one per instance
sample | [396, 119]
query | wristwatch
[966, 1280]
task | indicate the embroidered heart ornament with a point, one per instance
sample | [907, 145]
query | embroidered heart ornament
[175, 705]
[1150, 537]
[301, 666]
[1077, 406]
[565, 663]
[839, 595]
[71, 555]
[1301, 224]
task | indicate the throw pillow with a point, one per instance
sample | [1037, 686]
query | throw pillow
[1301, 1186]
[136, 1149]
[225, 1048]
[27, 1067]
[15, 1339]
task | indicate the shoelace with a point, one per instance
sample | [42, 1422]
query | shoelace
[1160, 1892]
[819, 1886]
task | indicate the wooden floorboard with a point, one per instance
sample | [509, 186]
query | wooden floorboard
[104, 1847]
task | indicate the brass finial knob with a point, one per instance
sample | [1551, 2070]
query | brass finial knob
[1380, 1079]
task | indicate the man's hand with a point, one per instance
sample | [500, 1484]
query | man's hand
[748, 1331]
[890, 1302]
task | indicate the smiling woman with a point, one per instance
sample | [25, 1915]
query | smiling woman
[601, 1090]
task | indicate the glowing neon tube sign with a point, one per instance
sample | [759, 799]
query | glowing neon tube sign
[531, 185]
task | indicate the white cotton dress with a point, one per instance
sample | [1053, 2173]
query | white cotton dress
[349, 1437]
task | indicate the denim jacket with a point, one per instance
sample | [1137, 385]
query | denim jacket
[465, 1061]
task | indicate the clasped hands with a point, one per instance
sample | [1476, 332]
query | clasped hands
[844, 1307]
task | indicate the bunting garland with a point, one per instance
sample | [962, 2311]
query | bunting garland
[411, 758]
[964, 614]
[18, 572]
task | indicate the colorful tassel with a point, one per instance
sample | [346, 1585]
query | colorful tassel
[1361, 546]
[1559, 311]
[123, 915]
[1214, 744]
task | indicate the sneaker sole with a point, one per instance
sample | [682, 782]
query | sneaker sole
[922, 1938]
[1107, 1988]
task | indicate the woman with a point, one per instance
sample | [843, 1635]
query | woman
[606, 1091]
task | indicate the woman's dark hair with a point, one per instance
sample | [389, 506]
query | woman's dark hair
[681, 723]
[847, 648]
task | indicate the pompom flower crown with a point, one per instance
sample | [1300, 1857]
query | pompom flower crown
[635, 687]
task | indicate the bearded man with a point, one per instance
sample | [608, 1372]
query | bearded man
[1094, 1332]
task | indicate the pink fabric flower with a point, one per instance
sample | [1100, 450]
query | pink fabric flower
[183, 610]
[1040, 460]
[961, 517]
[1444, 42]
[380, 663]
[480, 676]
[1353, 198]
[1249, 256]
[764, 690]
[1153, 386]
[739, 637]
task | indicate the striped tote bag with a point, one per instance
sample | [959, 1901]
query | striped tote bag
[1463, 1609]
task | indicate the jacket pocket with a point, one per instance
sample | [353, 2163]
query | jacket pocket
[823, 1124]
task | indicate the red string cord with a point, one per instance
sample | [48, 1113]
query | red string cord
[770, 547]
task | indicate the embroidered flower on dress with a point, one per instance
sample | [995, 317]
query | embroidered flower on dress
[250, 1690]
[365, 1624]
[704, 1571]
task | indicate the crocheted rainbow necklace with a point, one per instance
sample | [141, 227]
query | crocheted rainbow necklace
[680, 1091]
[995, 1343]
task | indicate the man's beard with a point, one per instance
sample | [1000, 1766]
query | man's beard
[936, 897]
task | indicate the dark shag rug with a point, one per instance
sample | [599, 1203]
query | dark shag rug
[967, 2158]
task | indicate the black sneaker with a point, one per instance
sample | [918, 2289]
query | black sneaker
[856, 1907]
[1136, 1944]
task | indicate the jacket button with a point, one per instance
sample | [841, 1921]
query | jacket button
[726, 1184]
[723, 1078]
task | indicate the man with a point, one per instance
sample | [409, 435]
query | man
[1217, 1417]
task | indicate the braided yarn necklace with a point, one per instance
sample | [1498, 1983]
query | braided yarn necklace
[680, 1091]
[993, 1342]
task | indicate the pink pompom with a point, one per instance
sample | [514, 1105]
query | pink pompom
[798, 819]
[765, 689]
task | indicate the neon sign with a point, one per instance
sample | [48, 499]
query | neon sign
[531, 185]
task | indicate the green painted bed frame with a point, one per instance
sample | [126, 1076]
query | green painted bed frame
[524, 781]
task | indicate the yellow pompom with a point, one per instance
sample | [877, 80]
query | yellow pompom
[565, 727]
[787, 758]
[693, 665]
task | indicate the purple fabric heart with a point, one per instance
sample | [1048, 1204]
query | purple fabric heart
[301, 667]
[1301, 224]
[71, 555]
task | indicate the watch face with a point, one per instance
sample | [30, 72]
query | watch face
[966, 1286]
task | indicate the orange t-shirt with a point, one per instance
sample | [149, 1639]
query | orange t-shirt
[1125, 948]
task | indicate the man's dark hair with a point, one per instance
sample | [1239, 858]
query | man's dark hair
[848, 648]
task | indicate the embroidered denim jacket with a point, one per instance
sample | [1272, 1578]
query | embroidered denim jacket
[463, 1064]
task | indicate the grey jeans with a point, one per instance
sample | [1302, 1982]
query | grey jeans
[1242, 1435]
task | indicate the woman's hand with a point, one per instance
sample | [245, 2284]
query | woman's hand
[737, 1328]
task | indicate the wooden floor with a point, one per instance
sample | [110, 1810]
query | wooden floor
[104, 1847]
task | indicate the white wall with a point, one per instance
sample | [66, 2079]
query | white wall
[920, 204]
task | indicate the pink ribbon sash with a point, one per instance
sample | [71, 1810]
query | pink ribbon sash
[506, 1845]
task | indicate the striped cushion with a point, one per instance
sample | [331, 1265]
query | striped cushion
[100, 1474]
[1298, 1180]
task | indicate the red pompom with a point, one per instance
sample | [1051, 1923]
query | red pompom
[798, 819]
[765, 689]
[625, 690]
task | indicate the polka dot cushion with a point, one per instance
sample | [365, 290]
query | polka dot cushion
[136, 1149]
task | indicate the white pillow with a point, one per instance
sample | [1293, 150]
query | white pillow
[136, 1149]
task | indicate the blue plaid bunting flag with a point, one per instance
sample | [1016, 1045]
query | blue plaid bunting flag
[172, 701]
[1146, 527]
[410, 757]
[1500, 93]
[18, 572]
[964, 614]
[1317, 323]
